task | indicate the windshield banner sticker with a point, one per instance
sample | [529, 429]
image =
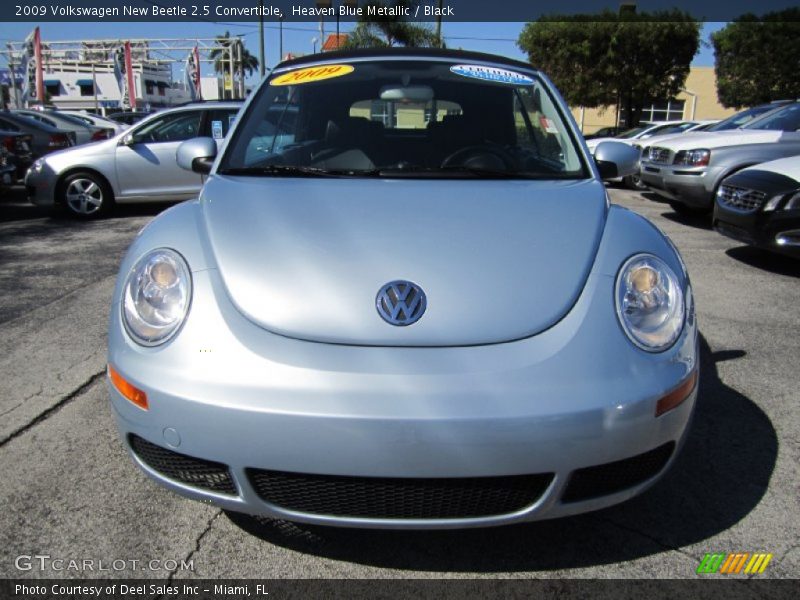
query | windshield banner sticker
[310, 74]
[491, 74]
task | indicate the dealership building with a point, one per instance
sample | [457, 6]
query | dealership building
[698, 100]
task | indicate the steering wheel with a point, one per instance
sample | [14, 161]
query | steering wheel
[481, 156]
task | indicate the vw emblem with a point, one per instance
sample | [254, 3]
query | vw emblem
[401, 303]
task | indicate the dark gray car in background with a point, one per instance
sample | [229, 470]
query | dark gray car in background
[44, 138]
[84, 133]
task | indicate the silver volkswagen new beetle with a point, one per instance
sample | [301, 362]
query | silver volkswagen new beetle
[402, 299]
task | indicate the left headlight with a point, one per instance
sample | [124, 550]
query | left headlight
[156, 297]
[650, 302]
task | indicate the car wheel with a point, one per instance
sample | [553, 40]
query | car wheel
[688, 211]
[634, 182]
[86, 195]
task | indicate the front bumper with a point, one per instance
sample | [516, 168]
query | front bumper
[40, 187]
[693, 186]
[577, 395]
[778, 230]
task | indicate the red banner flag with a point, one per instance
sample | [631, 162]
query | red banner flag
[197, 74]
[37, 54]
[129, 75]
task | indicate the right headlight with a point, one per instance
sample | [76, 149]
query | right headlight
[650, 302]
[156, 297]
[693, 158]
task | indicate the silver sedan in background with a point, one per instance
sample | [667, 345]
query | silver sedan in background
[137, 165]
[403, 300]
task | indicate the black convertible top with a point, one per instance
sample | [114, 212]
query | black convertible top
[343, 55]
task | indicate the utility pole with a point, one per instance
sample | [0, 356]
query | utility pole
[280, 43]
[240, 61]
[261, 67]
[439, 26]
[230, 66]
[94, 89]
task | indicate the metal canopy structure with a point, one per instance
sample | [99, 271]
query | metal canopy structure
[148, 54]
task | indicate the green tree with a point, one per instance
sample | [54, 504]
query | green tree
[757, 60]
[626, 59]
[381, 31]
[220, 55]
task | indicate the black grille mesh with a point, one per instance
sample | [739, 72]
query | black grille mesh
[592, 482]
[398, 498]
[197, 472]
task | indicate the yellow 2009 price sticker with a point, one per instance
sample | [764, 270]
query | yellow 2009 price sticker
[310, 74]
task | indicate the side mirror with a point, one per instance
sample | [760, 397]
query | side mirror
[127, 140]
[197, 154]
[615, 159]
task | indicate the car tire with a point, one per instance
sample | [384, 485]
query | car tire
[85, 195]
[634, 182]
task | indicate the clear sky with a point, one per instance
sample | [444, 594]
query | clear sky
[495, 38]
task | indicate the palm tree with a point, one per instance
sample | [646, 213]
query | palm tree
[384, 31]
[220, 53]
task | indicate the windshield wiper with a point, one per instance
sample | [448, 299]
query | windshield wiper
[287, 170]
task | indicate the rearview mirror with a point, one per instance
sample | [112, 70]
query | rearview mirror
[197, 154]
[410, 93]
[615, 159]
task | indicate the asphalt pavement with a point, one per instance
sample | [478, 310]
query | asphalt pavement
[70, 492]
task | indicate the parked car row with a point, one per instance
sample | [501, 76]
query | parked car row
[28, 134]
[745, 169]
[647, 131]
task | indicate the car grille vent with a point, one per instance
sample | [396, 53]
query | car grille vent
[741, 198]
[398, 498]
[192, 471]
[658, 155]
[609, 478]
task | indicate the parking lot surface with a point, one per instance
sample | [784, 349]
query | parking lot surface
[71, 492]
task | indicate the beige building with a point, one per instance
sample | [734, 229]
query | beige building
[698, 100]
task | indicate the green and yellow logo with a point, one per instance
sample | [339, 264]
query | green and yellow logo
[734, 563]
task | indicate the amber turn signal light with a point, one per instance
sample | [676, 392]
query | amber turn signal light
[130, 391]
[676, 397]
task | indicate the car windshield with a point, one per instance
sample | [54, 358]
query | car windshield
[396, 118]
[631, 132]
[70, 119]
[785, 119]
[741, 118]
[671, 128]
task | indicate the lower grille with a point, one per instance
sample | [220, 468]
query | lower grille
[740, 198]
[192, 471]
[593, 482]
[398, 498]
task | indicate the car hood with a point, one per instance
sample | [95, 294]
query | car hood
[498, 260]
[721, 139]
[790, 167]
[69, 156]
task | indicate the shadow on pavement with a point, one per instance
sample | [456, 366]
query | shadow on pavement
[765, 260]
[14, 206]
[720, 476]
[699, 221]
